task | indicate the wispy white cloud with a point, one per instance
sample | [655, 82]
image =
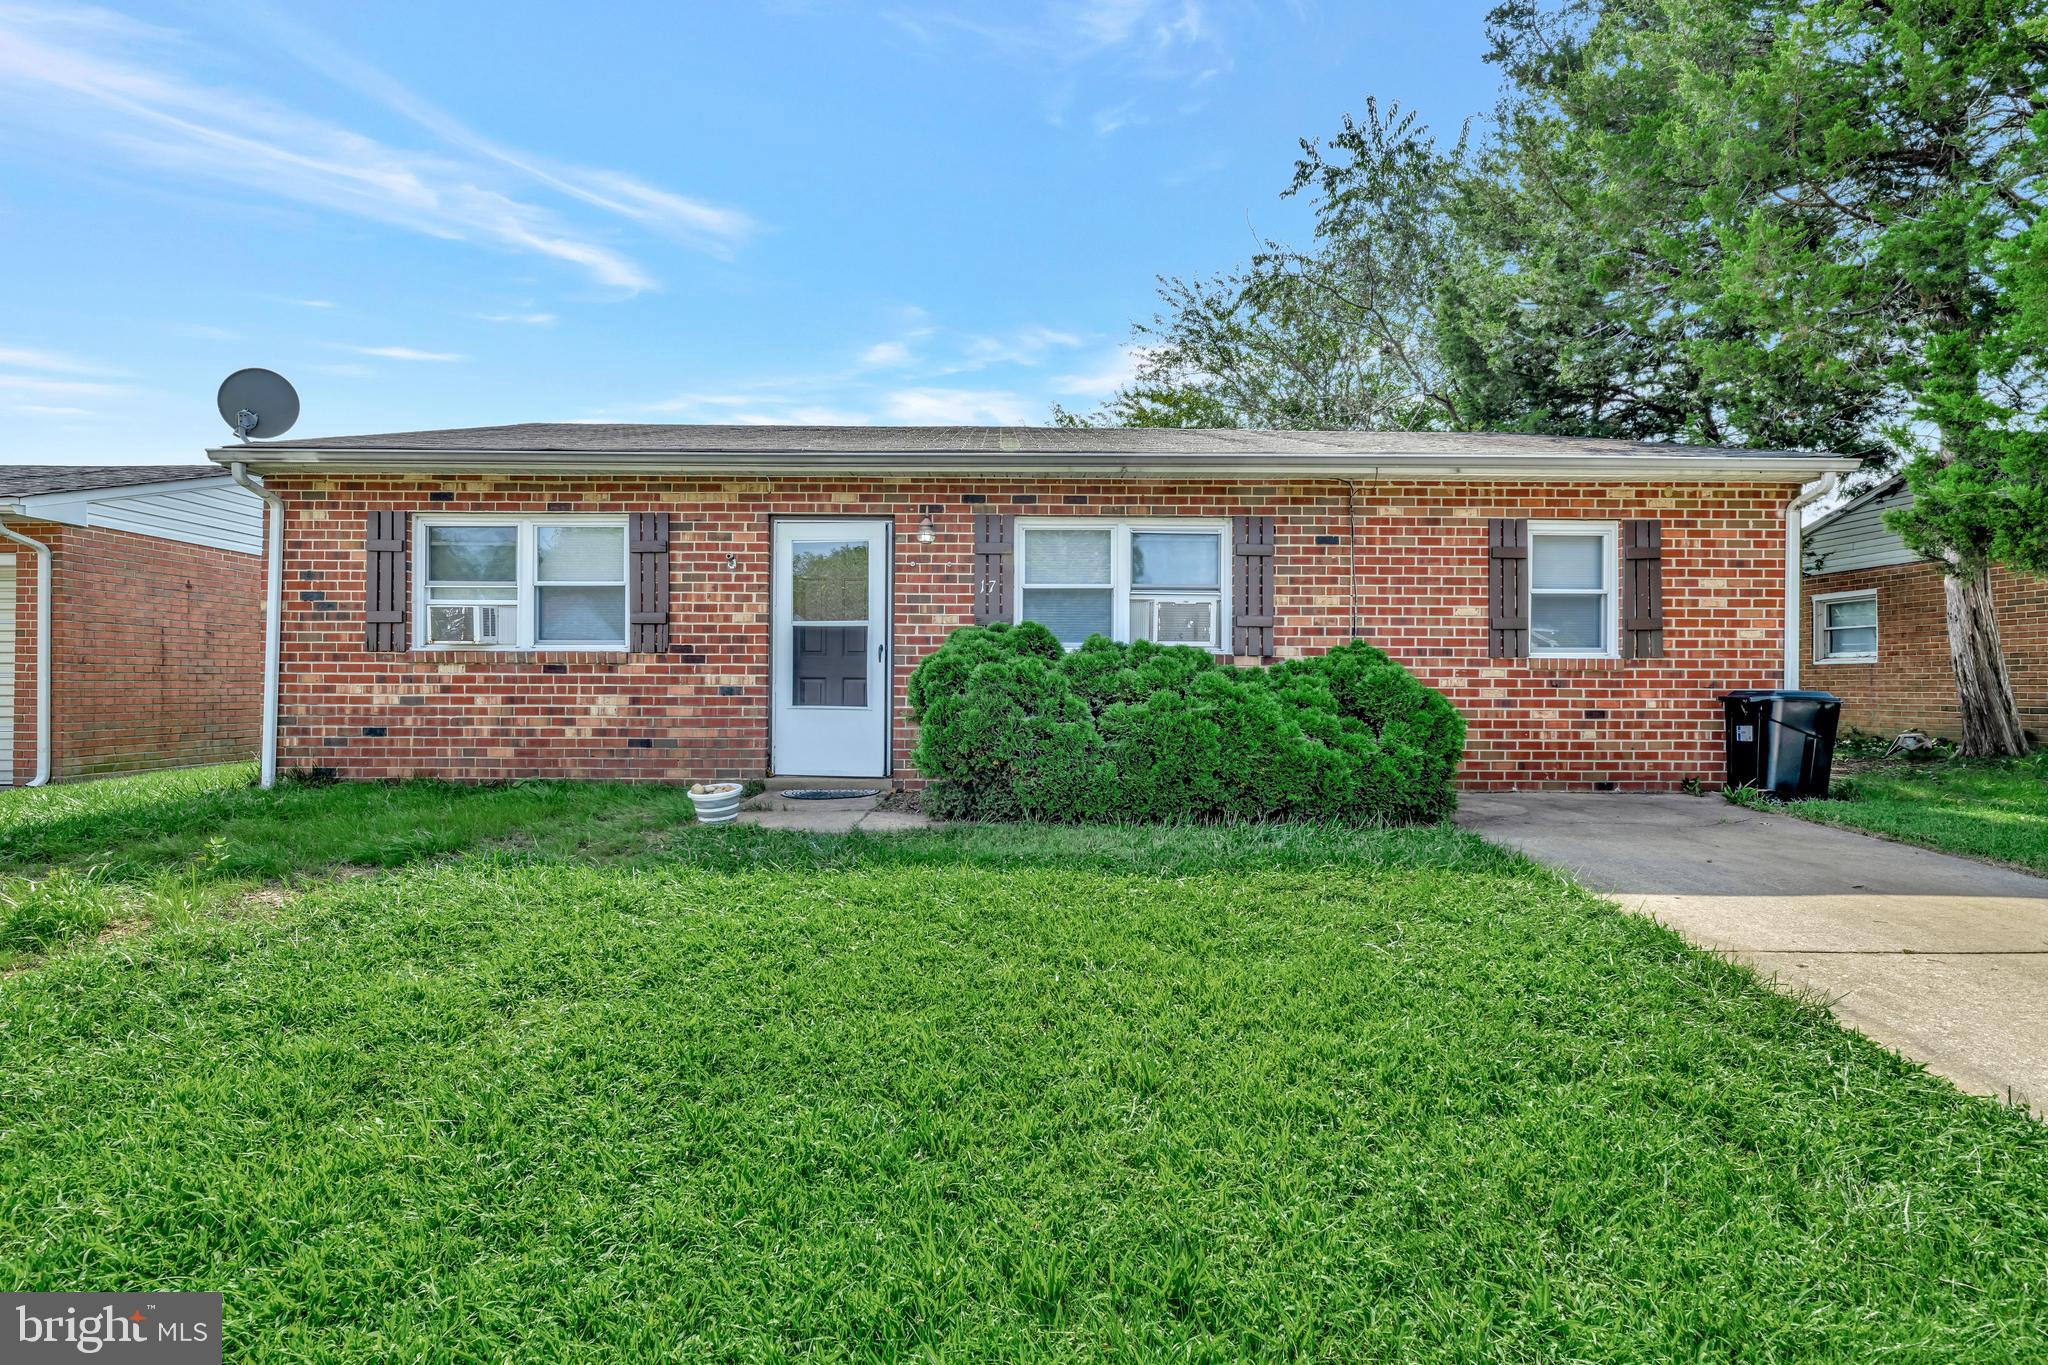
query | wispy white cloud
[761, 407]
[709, 226]
[1116, 371]
[309, 303]
[35, 386]
[1158, 39]
[1106, 46]
[52, 388]
[885, 355]
[1024, 346]
[938, 351]
[520, 319]
[406, 353]
[86, 76]
[898, 379]
[946, 407]
[1107, 121]
[54, 362]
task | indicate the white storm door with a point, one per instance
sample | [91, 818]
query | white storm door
[829, 655]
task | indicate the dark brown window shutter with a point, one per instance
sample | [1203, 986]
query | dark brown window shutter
[647, 581]
[1507, 588]
[1251, 605]
[1642, 590]
[995, 554]
[384, 583]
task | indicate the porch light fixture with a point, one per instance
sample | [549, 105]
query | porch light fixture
[925, 533]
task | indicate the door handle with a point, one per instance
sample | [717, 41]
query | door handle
[881, 651]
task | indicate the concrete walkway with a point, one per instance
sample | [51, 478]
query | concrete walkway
[770, 811]
[1943, 959]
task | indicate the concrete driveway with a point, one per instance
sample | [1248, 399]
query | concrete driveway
[1941, 958]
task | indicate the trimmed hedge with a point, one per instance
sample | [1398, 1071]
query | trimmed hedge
[1013, 727]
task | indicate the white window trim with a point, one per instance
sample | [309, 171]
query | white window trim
[1120, 529]
[526, 607]
[1820, 627]
[1610, 559]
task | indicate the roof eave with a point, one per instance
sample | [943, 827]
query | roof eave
[1721, 466]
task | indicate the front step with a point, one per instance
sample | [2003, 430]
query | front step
[882, 785]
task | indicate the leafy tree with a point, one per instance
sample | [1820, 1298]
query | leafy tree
[1771, 223]
[1610, 304]
[1845, 198]
[1339, 335]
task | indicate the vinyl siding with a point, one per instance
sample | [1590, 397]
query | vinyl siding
[1858, 539]
[222, 517]
[210, 512]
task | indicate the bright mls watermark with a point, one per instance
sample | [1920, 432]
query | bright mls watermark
[167, 1329]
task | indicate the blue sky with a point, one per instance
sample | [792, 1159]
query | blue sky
[452, 214]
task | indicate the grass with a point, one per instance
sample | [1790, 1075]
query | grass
[1994, 809]
[619, 1089]
[83, 859]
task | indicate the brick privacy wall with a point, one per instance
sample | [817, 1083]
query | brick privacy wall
[158, 648]
[702, 710]
[1912, 686]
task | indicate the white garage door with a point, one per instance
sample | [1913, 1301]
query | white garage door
[7, 673]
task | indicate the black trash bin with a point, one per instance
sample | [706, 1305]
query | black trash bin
[1781, 742]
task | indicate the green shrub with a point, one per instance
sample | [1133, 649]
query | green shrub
[1013, 727]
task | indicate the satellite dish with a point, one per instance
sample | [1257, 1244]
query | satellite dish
[259, 402]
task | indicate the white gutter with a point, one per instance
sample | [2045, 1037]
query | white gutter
[45, 666]
[273, 615]
[1632, 465]
[1808, 495]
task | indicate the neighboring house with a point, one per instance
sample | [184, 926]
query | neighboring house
[677, 602]
[1876, 625]
[155, 625]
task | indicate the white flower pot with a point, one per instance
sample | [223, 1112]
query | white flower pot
[718, 804]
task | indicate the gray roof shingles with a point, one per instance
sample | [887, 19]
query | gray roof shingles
[623, 438]
[29, 480]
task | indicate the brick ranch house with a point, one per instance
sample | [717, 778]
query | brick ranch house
[674, 603]
[1876, 625]
[153, 623]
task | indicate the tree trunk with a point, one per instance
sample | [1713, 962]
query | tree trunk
[1991, 719]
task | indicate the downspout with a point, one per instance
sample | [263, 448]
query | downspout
[1351, 544]
[45, 666]
[273, 615]
[1351, 548]
[1806, 496]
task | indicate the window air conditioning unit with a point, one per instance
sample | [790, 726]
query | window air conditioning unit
[1181, 622]
[468, 625]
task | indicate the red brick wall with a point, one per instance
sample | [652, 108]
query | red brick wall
[158, 648]
[1912, 686]
[702, 710]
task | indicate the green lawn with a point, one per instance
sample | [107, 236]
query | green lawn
[1992, 809]
[564, 1080]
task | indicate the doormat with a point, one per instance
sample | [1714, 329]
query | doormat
[827, 793]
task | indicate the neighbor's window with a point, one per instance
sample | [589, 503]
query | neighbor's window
[1160, 581]
[1571, 590]
[1845, 625]
[522, 584]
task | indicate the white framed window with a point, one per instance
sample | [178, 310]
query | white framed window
[494, 582]
[1574, 608]
[1160, 580]
[1845, 627]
